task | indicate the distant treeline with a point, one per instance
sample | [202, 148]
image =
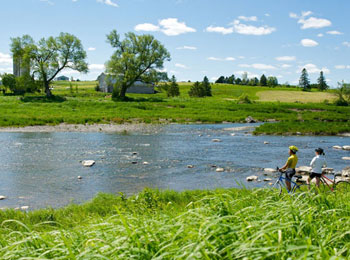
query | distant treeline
[263, 81]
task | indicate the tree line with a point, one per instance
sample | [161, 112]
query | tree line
[263, 81]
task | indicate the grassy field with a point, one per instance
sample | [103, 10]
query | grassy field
[81, 104]
[295, 96]
[220, 224]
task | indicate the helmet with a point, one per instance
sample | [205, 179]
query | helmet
[293, 148]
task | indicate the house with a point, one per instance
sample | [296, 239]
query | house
[62, 78]
[138, 87]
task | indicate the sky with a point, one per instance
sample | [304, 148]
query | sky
[204, 37]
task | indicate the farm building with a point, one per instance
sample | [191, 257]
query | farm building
[62, 78]
[138, 87]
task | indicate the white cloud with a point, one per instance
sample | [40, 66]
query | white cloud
[6, 70]
[219, 29]
[96, 67]
[241, 28]
[286, 66]
[169, 26]
[192, 48]
[91, 49]
[221, 59]
[251, 30]
[241, 57]
[334, 33]
[147, 27]
[267, 15]
[248, 18]
[347, 44]
[311, 22]
[181, 66]
[107, 2]
[312, 68]
[320, 35]
[286, 58]
[5, 58]
[258, 66]
[308, 43]
[339, 67]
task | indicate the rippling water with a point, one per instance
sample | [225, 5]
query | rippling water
[41, 169]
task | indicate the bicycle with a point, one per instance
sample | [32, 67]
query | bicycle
[334, 184]
[280, 183]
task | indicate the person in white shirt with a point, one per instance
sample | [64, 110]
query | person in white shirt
[317, 163]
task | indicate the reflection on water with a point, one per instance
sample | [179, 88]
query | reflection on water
[41, 169]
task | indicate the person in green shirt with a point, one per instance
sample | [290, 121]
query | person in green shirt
[289, 167]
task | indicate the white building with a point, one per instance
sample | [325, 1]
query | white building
[138, 87]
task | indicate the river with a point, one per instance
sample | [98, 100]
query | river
[40, 169]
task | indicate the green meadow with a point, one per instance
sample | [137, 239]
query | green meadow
[79, 103]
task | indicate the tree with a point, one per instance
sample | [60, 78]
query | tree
[253, 82]
[202, 89]
[343, 93]
[207, 86]
[231, 79]
[322, 84]
[50, 56]
[263, 80]
[238, 81]
[272, 81]
[221, 79]
[9, 81]
[135, 58]
[173, 88]
[304, 81]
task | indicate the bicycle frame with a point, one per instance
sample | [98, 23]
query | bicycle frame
[324, 180]
[282, 180]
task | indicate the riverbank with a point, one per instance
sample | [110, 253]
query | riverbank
[88, 107]
[218, 224]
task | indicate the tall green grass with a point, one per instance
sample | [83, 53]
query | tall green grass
[220, 224]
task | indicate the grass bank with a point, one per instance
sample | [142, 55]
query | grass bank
[220, 224]
[81, 104]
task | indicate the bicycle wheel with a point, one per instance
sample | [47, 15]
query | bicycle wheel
[342, 186]
[279, 186]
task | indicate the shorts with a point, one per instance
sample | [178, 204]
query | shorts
[289, 174]
[314, 174]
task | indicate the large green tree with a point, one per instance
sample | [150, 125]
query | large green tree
[263, 80]
[136, 57]
[304, 81]
[50, 56]
[322, 83]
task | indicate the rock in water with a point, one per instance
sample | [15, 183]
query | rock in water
[252, 178]
[346, 147]
[346, 158]
[134, 153]
[220, 169]
[79, 177]
[337, 147]
[267, 179]
[2, 197]
[190, 166]
[216, 140]
[270, 170]
[303, 170]
[327, 170]
[249, 119]
[145, 163]
[88, 163]
[24, 207]
[346, 172]
[266, 142]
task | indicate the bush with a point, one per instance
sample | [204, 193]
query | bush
[26, 84]
[197, 90]
[9, 81]
[173, 88]
[244, 99]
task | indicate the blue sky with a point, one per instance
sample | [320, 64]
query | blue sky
[204, 37]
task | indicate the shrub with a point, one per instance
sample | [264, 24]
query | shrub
[244, 99]
[173, 88]
[197, 90]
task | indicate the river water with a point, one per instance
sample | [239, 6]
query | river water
[40, 169]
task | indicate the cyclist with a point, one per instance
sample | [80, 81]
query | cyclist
[317, 163]
[289, 167]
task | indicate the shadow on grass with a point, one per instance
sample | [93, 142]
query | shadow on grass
[43, 99]
[139, 99]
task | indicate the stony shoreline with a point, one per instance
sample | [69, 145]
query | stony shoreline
[80, 128]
